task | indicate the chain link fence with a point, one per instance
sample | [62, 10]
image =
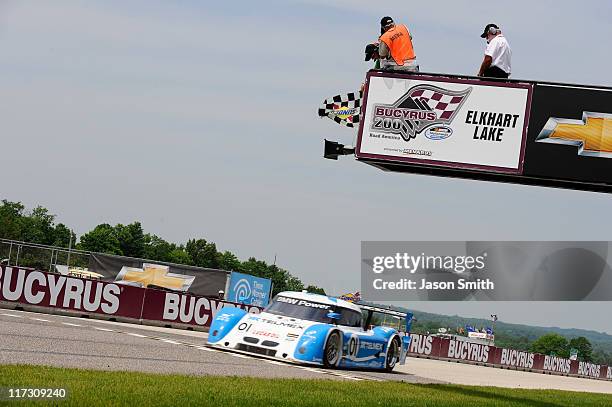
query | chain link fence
[41, 257]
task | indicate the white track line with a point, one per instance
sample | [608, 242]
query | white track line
[103, 329]
[170, 341]
[237, 355]
[350, 377]
[311, 369]
[207, 349]
[136, 335]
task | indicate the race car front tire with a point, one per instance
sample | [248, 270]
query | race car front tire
[393, 354]
[333, 349]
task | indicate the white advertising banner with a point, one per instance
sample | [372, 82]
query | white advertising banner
[445, 122]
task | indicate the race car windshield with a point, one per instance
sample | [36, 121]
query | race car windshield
[312, 311]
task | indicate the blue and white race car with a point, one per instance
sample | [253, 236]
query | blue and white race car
[315, 329]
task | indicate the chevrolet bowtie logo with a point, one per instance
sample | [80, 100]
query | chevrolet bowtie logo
[592, 135]
[154, 274]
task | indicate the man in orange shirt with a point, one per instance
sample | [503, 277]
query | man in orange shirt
[396, 50]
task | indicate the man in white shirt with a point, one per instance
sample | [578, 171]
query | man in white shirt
[497, 62]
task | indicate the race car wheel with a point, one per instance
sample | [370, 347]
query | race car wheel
[393, 354]
[333, 347]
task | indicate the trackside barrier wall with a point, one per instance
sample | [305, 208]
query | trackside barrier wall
[432, 347]
[59, 294]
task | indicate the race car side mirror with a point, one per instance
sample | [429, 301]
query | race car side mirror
[335, 316]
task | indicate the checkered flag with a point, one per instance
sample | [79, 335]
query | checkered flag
[428, 98]
[343, 109]
[443, 102]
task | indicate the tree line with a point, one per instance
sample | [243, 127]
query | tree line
[38, 226]
[522, 337]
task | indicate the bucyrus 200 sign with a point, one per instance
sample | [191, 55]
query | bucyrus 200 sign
[445, 122]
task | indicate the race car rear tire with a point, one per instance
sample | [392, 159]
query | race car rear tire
[333, 350]
[393, 354]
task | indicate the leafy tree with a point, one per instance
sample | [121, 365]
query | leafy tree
[202, 253]
[584, 347]
[228, 261]
[258, 268]
[62, 236]
[38, 227]
[294, 283]
[102, 239]
[179, 256]
[602, 357]
[315, 290]
[551, 344]
[131, 239]
[156, 248]
[10, 220]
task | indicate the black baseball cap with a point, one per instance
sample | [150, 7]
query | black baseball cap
[386, 21]
[370, 49]
[486, 30]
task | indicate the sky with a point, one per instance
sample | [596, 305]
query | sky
[198, 119]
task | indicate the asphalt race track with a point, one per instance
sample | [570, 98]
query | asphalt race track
[54, 340]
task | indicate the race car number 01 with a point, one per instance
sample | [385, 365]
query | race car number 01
[244, 327]
[353, 346]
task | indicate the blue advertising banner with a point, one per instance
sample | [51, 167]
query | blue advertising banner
[246, 289]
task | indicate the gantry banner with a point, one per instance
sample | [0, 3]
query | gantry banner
[513, 131]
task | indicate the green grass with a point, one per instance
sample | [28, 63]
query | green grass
[97, 388]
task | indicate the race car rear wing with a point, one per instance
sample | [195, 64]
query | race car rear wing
[370, 310]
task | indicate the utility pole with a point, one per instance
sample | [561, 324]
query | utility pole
[69, 248]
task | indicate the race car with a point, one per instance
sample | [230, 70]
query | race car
[314, 329]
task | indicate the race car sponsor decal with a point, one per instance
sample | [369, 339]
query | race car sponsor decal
[372, 346]
[302, 303]
[359, 349]
[248, 327]
[287, 324]
[266, 334]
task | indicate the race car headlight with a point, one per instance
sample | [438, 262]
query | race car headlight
[302, 350]
[215, 332]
